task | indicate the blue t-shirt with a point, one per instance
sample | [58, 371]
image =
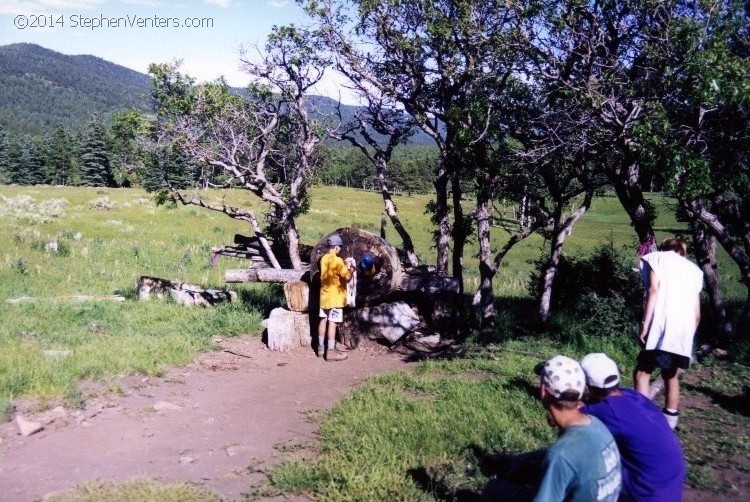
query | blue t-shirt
[653, 467]
[583, 465]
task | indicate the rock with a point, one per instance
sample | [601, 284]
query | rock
[165, 405]
[51, 247]
[429, 340]
[287, 330]
[388, 320]
[185, 459]
[27, 427]
[56, 353]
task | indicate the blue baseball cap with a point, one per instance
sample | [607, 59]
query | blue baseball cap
[366, 262]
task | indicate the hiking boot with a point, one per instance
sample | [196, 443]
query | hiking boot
[336, 355]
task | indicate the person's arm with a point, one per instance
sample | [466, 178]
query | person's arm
[648, 311]
[557, 478]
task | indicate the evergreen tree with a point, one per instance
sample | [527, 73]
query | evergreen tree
[95, 169]
[4, 157]
[59, 156]
[30, 168]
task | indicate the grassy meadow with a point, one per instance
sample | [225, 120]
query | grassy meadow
[425, 435]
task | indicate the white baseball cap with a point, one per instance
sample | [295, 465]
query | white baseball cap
[601, 371]
[562, 373]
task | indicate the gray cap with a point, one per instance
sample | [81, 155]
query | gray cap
[335, 240]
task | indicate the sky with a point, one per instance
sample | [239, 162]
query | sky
[206, 35]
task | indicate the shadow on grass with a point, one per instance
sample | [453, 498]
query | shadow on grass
[736, 403]
[440, 488]
[520, 469]
[262, 299]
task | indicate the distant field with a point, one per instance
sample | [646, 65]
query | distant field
[108, 238]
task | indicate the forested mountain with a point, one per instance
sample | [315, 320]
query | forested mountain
[40, 89]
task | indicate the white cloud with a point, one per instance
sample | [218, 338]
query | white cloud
[277, 4]
[12, 7]
[218, 3]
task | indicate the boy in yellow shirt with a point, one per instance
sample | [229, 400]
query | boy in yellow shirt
[334, 274]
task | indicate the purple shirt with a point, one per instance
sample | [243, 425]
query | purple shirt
[653, 467]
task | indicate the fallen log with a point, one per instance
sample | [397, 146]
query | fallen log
[266, 275]
[160, 287]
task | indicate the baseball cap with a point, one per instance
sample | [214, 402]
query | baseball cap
[335, 240]
[601, 371]
[562, 373]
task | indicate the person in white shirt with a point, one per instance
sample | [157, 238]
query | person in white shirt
[671, 316]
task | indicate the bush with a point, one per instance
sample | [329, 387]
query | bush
[606, 273]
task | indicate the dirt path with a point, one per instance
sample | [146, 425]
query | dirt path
[217, 422]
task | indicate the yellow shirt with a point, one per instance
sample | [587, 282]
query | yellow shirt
[333, 277]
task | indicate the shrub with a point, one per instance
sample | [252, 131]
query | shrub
[24, 209]
[606, 273]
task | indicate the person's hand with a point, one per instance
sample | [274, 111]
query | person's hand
[642, 338]
[350, 262]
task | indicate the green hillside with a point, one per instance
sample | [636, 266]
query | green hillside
[40, 88]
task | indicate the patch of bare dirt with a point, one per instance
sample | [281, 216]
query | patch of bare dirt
[220, 422]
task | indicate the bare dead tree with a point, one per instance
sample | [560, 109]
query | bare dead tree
[264, 141]
[377, 118]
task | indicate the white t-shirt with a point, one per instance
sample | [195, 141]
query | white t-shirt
[680, 282]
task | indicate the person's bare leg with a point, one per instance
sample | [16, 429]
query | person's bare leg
[331, 353]
[642, 379]
[322, 326]
[671, 379]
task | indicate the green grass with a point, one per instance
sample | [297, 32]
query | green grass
[391, 432]
[418, 436]
[134, 491]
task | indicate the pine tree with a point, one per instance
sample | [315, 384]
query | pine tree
[4, 157]
[59, 155]
[95, 169]
[30, 170]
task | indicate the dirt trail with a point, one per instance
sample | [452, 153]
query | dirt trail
[206, 423]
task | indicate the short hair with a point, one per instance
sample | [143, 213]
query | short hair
[599, 393]
[674, 244]
[568, 400]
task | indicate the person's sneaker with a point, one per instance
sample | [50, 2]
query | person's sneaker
[336, 355]
[319, 350]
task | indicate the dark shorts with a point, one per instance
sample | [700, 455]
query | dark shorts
[650, 359]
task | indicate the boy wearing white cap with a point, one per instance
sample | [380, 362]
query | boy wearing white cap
[653, 467]
[583, 464]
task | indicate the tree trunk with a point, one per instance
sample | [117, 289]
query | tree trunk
[739, 255]
[629, 192]
[704, 245]
[390, 210]
[561, 231]
[486, 301]
[443, 237]
[292, 238]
